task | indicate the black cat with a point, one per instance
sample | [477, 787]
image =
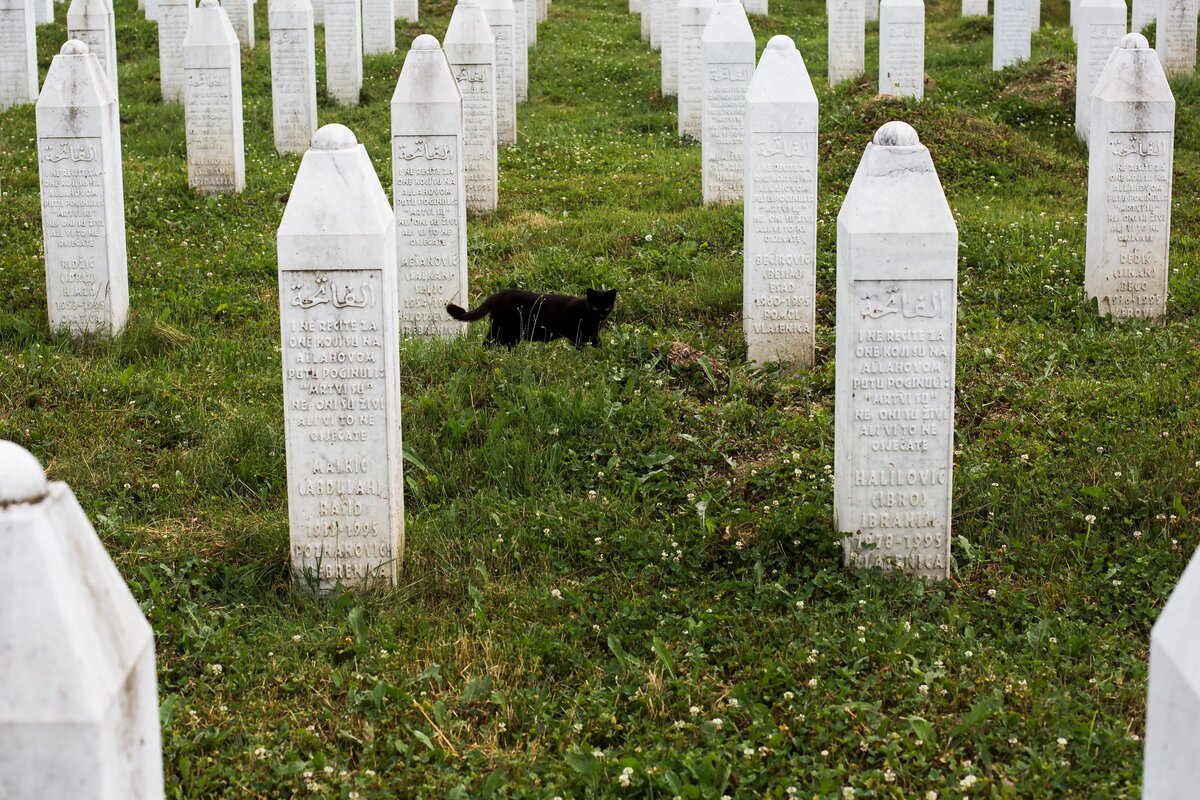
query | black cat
[518, 314]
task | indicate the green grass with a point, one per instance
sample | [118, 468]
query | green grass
[608, 553]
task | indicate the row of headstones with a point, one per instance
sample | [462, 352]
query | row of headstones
[447, 119]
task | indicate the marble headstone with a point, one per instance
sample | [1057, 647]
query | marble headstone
[92, 22]
[173, 17]
[83, 201]
[532, 20]
[1011, 33]
[780, 251]
[1101, 25]
[693, 18]
[1171, 770]
[728, 49]
[318, 9]
[1130, 156]
[847, 39]
[43, 11]
[343, 51]
[79, 700]
[670, 47]
[407, 10]
[500, 18]
[216, 157]
[646, 21]
[293, 75]
[1175, 36]
[902, 48]
[241, 17]
[18, 54]
[871, 10]
[428, 190]
[1035, 14]
[521, 9]
[378, 27]
[1144, 13]
[974, 8]
[341, 370]
[897, 286]
[471, 50]
[757, 7]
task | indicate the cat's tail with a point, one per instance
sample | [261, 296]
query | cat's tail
[462, 315]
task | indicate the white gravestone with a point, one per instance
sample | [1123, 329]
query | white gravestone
[1130, 155]
[343, 51]
[428, 189]
[500, 18]
[847, 39]
[18, 54]
[43, 11]
[1011, 33]
[728, 49]
[871, 10]
[293, 75]
[647, 21]
[471, 50]
[216, 153]
[635, 6]
[341, 369]
[407, 10]
[173, 17]
[656, 25]
[1101, 25]
[92, 22]
[1035, 14]
[756, 7]
[1144, 12]
[521, 49]
[1171, 770]
[83, 201]
[902, 48]
[779, 277]
[532, 20]
[897, 287]
[79, 700]
[670, 47]
[241, 17]
[318, 9]
[378, 27]
[1175, 37]
[693, 18]
[974, 8]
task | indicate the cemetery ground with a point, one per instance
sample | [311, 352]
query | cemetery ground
[621, 577]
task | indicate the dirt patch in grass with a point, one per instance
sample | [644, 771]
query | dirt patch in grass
[1049, 81]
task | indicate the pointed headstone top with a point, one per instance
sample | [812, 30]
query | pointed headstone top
[22, 479]
[74, 47]
[1135, 41]
[334, 137]
[896, 134]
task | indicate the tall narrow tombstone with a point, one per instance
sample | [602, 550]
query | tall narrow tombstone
[471, 50]
[779, 277]
[1130, 156]
[173, 17]
[407, 10]
[756, 7]
[216, 153]
[847, 39]
[500, 19]
[521, 9]
[429, 193]
[18, 54]
[241, 17]
[1101, 27]
[670, 47]
[343, 51]
[871, 10]
[693, 18]
[79, 699]
[341, 369]
[656, 25]
[902, 48]
[1143, 13]
[897, 287]
[1035, 14]
[318, 10]
[635, 6]
[378, 27]
[293, 75]
[1175, 36]
[43, 11]
[92, 22]
[1171, 770]
[1011, 33]
[647, 22]
[974, 8]
[728, 49]
[532, 20]
[83, 202]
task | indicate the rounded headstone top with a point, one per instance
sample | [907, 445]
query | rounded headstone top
[22, 479]
[74, 47]
[781, 42]
[896, 134]
[468, 3]
[209, 4]
[1134, 41]
[426, 42]
[333, 137]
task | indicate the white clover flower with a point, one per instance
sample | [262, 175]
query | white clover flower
[717, 722]
[931, 795]
[812, 683]
[260, 753]
[556, 594]
[626, 776]
[923, 688]
[328, 769]
[1061, 741]
[889, 776]
[597, 753]
[991, 592]
[296, 638]
[1090, 519]
[694, 710]
[848, 792]
[217, 669]
[967, 782]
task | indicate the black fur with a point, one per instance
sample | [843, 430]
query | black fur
[518, 314]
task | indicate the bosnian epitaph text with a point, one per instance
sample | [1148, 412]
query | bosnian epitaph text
[724, 139]
[476, 82]
[292, 88]
[210, 133]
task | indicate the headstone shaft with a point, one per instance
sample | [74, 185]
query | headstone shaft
[728, 50]
[18, 53]
[216, 151]
[902, 48]
[470, 48]
[293, 75]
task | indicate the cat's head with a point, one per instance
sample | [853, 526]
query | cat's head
[600, 302]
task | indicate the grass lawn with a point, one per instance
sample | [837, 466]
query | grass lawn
[615, 561]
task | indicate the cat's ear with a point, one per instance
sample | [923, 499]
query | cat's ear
[594, 297]
[611, 296]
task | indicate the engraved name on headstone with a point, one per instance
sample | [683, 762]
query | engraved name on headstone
[341, 370]
[293, 75]
[902, 48]
[693, 18]
[1011, 33]
[728, 50]
[1175, 36]
[779, 261]
[343, 51]
[216, 158]
[897, 287]
[470, 48]
[500, 16]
